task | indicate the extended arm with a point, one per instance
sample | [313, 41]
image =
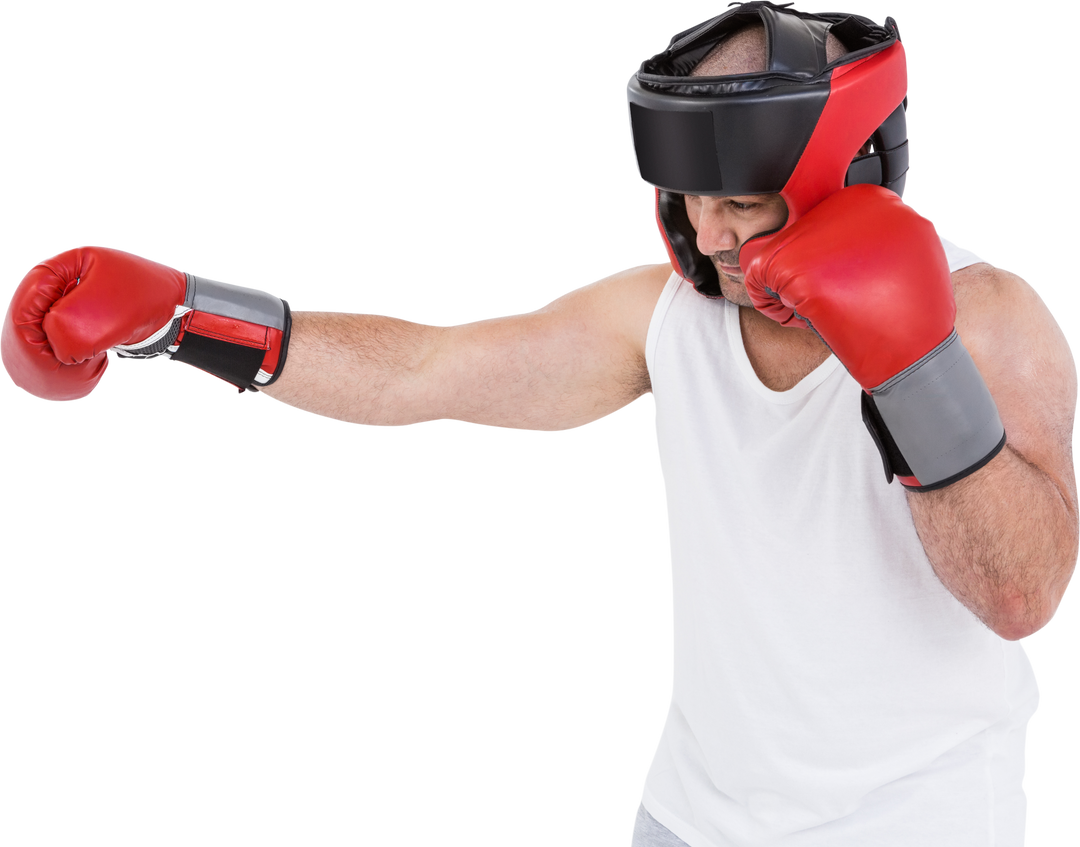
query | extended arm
[567, 364]
[357, 368]
[572, 362]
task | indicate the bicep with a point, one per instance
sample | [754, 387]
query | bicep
[576, 360]
[1028, 367]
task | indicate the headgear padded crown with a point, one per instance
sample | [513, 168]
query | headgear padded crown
[793, 129]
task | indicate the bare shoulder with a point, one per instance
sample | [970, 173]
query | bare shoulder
[621, 304]
[571, 362]
[1001, 318]
[1025, 359]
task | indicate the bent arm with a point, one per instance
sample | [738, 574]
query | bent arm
[1004, 540]
[572, 362]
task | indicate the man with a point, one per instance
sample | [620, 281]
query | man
[830, 685]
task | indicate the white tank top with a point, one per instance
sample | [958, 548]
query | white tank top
[828, 689]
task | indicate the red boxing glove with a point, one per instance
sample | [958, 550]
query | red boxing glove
[870, 276]
[69, 310]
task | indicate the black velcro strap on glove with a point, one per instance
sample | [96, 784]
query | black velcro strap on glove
[233, 355]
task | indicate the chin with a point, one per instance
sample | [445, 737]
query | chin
[734, 290]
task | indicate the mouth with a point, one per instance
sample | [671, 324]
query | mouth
[735, 272]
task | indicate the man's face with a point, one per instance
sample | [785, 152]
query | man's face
[723, 224]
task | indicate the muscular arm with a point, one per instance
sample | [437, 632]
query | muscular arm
[572, 362]
[1004, 540]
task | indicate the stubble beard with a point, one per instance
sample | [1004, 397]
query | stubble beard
[732, 287]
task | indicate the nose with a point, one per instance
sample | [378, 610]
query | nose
[715, 233]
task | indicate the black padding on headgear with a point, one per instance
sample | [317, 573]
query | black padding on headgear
[682, 243]
[748, 144]
[866, 170]
[888, 164]
[689, 134]
[793, 45]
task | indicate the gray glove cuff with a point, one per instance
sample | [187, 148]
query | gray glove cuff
[935, 422]
[217, 345]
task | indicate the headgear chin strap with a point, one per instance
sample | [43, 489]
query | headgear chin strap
[794, 129]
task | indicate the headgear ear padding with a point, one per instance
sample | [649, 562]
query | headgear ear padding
[680, 240]
[793, 129]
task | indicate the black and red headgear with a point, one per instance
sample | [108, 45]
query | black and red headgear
[794, 129]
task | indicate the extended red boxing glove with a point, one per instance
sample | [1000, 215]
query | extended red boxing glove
[870, 276]
[68, 311]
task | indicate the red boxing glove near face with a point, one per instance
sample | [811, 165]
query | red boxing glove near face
[870, 276]
[866, 272]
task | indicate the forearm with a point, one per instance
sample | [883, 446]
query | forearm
[1003, 541]
[358, 368]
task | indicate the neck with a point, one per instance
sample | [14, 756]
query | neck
[767, 331]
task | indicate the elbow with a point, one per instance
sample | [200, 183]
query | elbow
[1014, 630]
[1018, 628]
[1018, 615]
[1024, 606]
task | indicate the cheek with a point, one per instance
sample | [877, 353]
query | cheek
[777, 217]
[693, 212]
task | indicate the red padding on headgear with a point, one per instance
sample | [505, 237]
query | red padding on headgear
[675, 263]
[822, 169]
